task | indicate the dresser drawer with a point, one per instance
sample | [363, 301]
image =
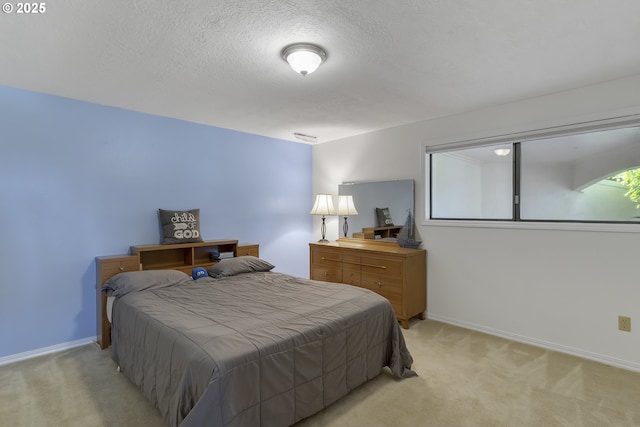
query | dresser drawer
[326, 273]
[351, 276]
[351, 269]
[379, 265]
[393, 297]
[352, 262]
[387, 288]
[377, 281]
[326, 258]
[326, 266]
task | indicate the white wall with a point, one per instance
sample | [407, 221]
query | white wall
[560, 289]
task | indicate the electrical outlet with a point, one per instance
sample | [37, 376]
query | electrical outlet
[624, 323]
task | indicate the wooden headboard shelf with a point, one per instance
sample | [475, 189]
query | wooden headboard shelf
[184, 257]
[181, 257]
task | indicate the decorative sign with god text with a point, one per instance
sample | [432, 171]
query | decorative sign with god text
[180, 226]
[185, 225]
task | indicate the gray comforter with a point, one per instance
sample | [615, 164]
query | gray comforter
[257, 349]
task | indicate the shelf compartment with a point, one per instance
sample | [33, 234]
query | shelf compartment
[201, 254]
[180, 256]
[170, 258]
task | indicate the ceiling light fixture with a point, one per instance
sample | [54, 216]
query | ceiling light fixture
[502, 151]
[304, 58]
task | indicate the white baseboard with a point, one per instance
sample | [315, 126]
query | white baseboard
[607, 360]
[46, 350]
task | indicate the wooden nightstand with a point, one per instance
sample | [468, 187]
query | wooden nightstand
[248, 249]
[106, 267]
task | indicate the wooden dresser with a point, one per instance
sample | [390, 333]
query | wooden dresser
[398, 274]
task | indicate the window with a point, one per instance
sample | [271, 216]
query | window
[472, 183]
[570, 176]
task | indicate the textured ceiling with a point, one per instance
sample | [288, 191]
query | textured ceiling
[389, 63]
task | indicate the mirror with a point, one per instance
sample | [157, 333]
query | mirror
[367, 196]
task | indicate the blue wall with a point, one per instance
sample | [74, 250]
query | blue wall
[78, 180]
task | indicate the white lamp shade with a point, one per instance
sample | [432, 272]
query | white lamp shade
[323, 205]
[346, 206]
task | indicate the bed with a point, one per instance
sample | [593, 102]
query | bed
[248, 346]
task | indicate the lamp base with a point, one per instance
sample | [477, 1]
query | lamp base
[323, 232]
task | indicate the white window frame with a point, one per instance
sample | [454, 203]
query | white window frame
[550, 132]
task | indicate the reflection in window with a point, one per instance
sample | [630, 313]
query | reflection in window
[587, 177]
[565, 178]
[631, 181]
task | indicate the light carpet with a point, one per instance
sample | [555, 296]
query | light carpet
[466, 378]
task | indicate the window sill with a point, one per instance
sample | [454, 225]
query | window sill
[532, 225]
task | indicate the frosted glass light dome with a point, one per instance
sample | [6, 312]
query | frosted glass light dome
[304, 58]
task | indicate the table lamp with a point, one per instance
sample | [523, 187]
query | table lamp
[323, 206]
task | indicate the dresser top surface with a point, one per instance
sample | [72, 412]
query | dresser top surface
[369, 246]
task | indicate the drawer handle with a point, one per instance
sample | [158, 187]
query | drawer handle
[379, 284]
[383, 267]
[121, 268]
